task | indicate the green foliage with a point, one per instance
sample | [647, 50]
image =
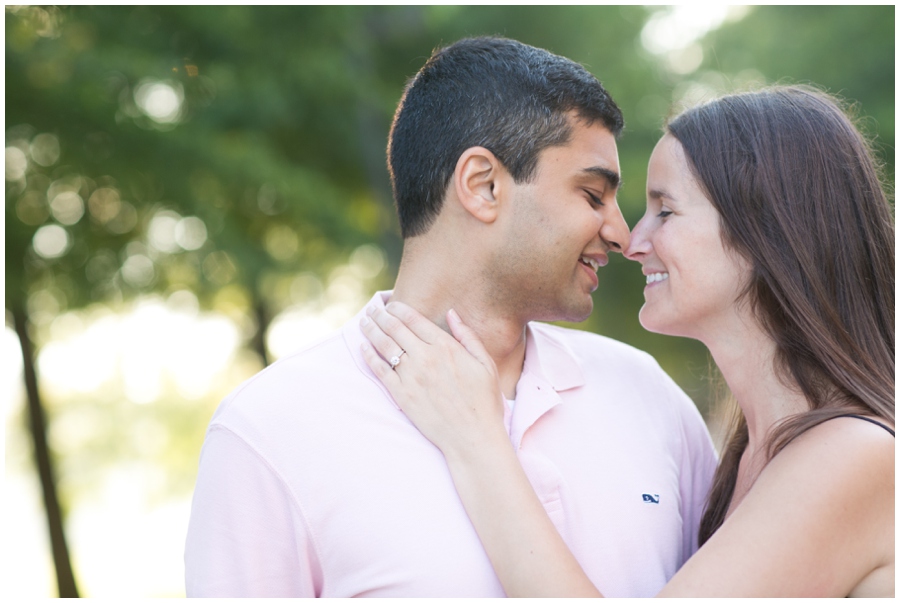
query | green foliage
[246, 151]
[278, 147]
[846, 50]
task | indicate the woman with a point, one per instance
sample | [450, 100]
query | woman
[768, 237]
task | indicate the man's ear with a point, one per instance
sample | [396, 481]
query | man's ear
[476, 181]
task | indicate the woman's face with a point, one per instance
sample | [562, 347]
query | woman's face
[693, 282]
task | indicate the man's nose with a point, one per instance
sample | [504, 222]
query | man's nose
[614, 230]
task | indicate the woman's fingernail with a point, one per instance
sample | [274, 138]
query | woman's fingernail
[453, 315]
[364, 321]
[364, 346]
[370, 310]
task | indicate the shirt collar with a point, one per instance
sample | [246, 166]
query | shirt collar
[354, 337]
[549, 357]
[546, 354]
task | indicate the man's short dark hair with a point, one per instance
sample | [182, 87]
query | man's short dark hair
[511, 98]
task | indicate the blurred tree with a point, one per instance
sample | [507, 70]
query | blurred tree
[225, 150]
[847, 50]
[155, 149]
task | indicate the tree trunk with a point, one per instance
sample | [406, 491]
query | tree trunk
[261, 313]
[65, 579]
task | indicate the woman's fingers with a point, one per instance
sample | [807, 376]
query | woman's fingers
[469, 339]
[389, 348]
[449, 389]
[394, 328]
[423, 328]
[380, 367]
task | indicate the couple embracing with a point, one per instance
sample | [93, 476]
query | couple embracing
[447, 443]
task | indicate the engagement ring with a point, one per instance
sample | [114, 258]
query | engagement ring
[395, 360]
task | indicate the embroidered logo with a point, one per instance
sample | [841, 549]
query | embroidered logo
[650, 498]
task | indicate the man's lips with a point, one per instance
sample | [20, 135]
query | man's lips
[590, 267]
[595, 261]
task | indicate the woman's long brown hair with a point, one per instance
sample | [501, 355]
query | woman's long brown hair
[798, 194]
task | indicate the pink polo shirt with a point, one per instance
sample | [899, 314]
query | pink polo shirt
[313, 483]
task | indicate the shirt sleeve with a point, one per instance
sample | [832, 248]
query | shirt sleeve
[246, 536]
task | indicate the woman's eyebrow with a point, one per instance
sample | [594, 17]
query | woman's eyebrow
[656, 195]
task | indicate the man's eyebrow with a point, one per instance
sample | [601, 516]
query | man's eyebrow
[610, 176]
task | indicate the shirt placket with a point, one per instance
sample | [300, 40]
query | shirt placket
[535, 397]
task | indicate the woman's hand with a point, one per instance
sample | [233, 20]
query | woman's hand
[449, 388]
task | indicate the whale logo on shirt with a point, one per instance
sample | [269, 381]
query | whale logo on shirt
[650, 498]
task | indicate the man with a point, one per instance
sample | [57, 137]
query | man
[313, 483]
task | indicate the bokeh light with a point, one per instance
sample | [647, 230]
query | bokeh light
[161, 231]
[104, 204]
[160, 100]
[51, 241]
[219, 268]
[138, 270]
[45, 149]
[190, 233]
[16, 163]
[67, 207]
[282, 242]
[673, 32]
[319, 310]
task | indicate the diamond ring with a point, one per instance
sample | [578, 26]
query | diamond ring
[395, 360]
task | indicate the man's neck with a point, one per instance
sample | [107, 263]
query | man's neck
[434, 289]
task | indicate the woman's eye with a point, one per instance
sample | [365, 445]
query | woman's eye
[664, 214]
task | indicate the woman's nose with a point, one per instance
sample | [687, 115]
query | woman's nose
[639, 245]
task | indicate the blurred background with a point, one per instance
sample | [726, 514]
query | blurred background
[192, 192]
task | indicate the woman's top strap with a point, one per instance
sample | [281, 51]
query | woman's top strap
[870, 420]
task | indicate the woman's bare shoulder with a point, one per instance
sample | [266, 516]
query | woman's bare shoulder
[854, 459]
[819, 521]
[864, 448]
